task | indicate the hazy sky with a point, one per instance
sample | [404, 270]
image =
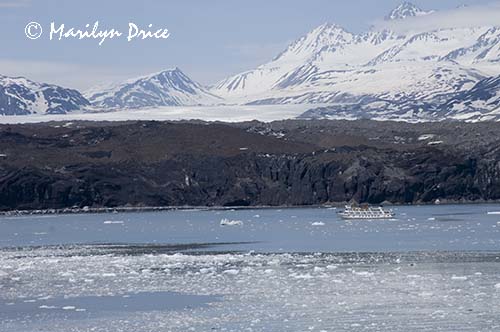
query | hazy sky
[209, 39]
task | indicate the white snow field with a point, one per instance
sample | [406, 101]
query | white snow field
[235, 113]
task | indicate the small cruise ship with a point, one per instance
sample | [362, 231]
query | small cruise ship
[366, 212]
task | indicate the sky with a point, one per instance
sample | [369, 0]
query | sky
[208, 39]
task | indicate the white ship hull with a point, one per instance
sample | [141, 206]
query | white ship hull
[367, 217]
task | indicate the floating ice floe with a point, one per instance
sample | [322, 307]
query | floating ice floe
[269, 286]
[47, 307]
[227, 222]
[318, 223]
[207, 270]
[318, 269]
[494, 212]
[302, 276]
[426, 137]
[459, 278]
[108, 275]
[363, 273]
[113, 222]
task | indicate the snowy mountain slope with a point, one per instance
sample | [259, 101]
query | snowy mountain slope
[19, 95]
[407, 74]
[483, 53]
[482, 102]
[367, 65]
[374, 72]
[326, 36]
[406, 9]
[166, 88]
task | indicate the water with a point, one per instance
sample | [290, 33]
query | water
[432, 268]
[95, 306]
[417, 228]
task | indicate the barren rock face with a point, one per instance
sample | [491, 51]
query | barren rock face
[58, 165]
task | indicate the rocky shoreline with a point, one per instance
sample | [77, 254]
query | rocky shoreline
[130, 209]
[127, 209]
[73, 166]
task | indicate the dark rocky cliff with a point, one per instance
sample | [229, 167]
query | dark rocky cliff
[80, 164]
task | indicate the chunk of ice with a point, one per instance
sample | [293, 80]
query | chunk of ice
[227, 222]
[108, 222]
[460, 278]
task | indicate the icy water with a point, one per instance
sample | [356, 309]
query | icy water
[433, 268]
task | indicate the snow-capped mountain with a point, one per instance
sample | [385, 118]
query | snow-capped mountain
[166, 88]
[482, 102]
[19, 95]
[380, 73]
[402, 69]
[285, 67]
[406, 9]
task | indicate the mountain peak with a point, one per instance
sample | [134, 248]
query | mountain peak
[328, 31]
[404, 10]
[325, 35]
[169, 87]
[19, 95]
[328, 27]
[164, 72]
